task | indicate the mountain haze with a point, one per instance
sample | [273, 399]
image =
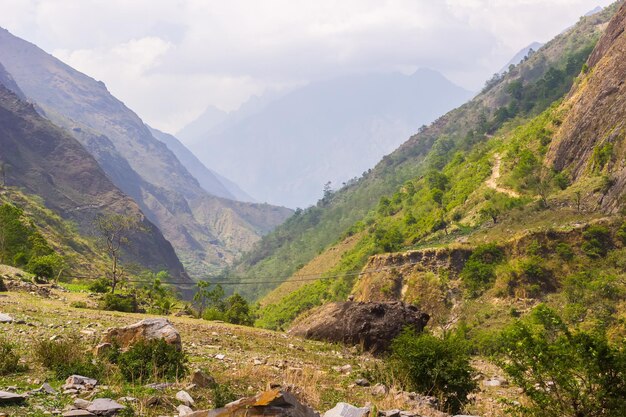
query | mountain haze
[45, 161]
[140, 165]
[329, 130]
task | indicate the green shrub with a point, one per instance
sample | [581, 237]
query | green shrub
[66, 356]
[152, 360]
[78, 304]
[564, 251]
[3, 286]
[100, 286]
[434, 366]
[563, 372]
[222, 394]
[238, 311]
[126, 303]
[621, 233]
[479, 271]
[597, 241]
[9, 358]
[561, 180]
[41, 268]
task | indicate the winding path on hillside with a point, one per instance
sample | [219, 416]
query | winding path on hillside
[492, 181]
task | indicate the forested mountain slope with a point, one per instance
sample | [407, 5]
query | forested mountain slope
[525, 91]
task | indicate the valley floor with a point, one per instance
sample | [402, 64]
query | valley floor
[243, 360]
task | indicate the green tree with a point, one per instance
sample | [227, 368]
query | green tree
[238, 310]
[206, 296]
[563, 372]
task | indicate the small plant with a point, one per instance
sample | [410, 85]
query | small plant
[222, 395]
[152, 360]
[564, 251]
[119, 302]
[9, 358]
[99, 286]
[597, 241]
[479, 270]
[621, 233]
[434, 366]
[66, 356]
[78, 304]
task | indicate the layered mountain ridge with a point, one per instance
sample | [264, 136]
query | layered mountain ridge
[140, 165]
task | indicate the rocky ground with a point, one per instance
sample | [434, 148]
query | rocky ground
[243, 361]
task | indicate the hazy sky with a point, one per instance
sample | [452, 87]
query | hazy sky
[168, 60]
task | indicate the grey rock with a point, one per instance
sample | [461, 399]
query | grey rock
[202, 379]
[47, 388]
[11, 398]
[77, 413]
[267, 404]
[5, 318]
[160, 385]
[495, 382]
[391, 413]
[148, 329]
[362, 382]
[347, 410]
[80, 380]
[380, 390]
[82, 404]
[183, 410]
[105, 407]
[185, 398]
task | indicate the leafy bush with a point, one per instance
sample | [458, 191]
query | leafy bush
[563, 372]
[479, 270]
[564, 251]
[238, 311]
[621, 233]
[434, 366]
[222, 394]
[597, 241]
[78, 304]
[100, 286]
[126, 303]
[66, 356]
[9, 358]
[152, 360]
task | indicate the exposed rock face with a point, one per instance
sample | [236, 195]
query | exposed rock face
[10, 398]
[268, 404]
[392, 273]
[370, 325]
[595, 116]
[148, 329]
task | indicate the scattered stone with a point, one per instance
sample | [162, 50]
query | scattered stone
[79, 382]
[362, 382]
[495, 382]
[70, 391]
[160, 385]
[220, 356]
[183, 410]
[5, 318]
[77, 413]
[105, 407]
[371, 325]
[202, 379]
[185, 398]
[47, 388]
[102, 349]
[347, 410]
[380, 390]
[270, 403]
[127, 400]
[148, 329]
[11, 398]
[391, 413]
[81, 404]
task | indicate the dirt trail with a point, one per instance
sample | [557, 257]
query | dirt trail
[492, 182]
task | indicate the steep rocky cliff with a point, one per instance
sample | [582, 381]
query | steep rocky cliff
[592, 133]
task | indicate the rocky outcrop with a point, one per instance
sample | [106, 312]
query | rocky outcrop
[370, 325]
[273, 403]
[595, 117]
[386, 277]
[148, 329]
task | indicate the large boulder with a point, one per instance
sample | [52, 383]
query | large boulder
[148, 329]
[370, 325]
[273, 403]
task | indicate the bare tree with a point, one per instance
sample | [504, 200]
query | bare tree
[3, 174]
[115, 231]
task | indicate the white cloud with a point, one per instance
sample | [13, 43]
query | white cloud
[169, 59]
